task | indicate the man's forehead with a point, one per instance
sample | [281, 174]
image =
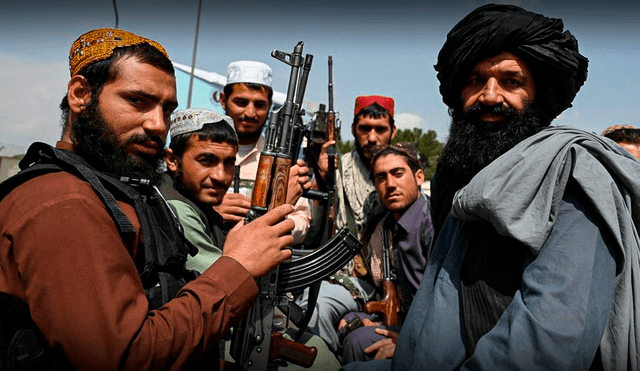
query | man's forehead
[368, 120]
[389, 162]
[210, 146]
[242, 88]
[505, 60]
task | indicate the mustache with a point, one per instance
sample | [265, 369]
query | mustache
[139, 138]
[248, 119]
[498, 109]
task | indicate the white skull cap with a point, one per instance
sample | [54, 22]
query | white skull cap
[249, 72]
[193, 119]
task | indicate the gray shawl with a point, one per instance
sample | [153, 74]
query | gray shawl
[519, 193]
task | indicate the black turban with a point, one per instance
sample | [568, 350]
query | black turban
[558, 69]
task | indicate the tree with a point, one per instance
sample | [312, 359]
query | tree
[429, 148]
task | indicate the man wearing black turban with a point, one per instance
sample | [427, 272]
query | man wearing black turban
[537, 254]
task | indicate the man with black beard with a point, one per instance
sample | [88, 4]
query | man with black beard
[473, 144]
[95, 140]
[92, 272]
[537, 254]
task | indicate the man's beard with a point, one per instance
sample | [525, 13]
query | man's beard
[96, 142]
[251, 137]
[472, 144]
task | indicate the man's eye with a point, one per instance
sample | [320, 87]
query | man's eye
[474, 81]
[240, 103]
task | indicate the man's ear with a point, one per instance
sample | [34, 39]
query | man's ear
[394, 131]
[172, 160]
[78, 94]
[223, 101]
[419, 177]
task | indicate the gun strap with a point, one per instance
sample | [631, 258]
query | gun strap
[314, 290]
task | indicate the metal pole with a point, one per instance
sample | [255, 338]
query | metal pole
[195, 49]
[115, 9]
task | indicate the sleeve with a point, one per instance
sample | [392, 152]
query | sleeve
[195, 232]
[301, 217]
[557, 318]
[85, 295]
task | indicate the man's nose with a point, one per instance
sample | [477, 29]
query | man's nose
[156, 123]
[491, 93]
[250, 111]
[372, 136]
[217, 174]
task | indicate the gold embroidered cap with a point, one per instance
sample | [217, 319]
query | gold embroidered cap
[97, 45]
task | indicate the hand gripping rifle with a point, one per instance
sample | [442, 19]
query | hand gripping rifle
[388, 306]
[253, 344]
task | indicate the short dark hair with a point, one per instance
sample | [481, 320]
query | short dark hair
[624, 135]
[374, 111]
[215, 132]
[228, 89]
[386, 150]
[99, 73]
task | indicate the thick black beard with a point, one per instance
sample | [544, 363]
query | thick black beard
[472, 144]
[96, 142]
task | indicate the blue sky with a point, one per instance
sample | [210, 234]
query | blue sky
[386, 48]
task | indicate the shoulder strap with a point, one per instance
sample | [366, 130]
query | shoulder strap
[351, 220]
[41, 158]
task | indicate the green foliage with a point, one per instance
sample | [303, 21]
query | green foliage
[428, 147]
[345, 147]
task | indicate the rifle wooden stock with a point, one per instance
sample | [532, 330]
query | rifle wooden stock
[260, 193]
[280, 181]
[388, 306]
[291, 351]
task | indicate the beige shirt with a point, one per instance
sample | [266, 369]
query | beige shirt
[301, 215]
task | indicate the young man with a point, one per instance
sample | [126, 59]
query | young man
[397, 177]
[200, 162]
[80, 256]
[533, 267]
[373, 125]
[247, 98]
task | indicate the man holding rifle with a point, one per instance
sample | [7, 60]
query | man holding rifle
[247, 98]
[85, 267]
[397, 177]
[373, 125]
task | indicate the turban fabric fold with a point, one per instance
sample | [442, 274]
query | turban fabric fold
[551, 54]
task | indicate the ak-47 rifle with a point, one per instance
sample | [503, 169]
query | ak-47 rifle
[253, 343]
[388, 306]
[331, 131]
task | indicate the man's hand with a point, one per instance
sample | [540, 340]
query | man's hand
[366, 322]
[298, 181]
[234, 207]
[385, 347]
[323, 159]
[262, 244]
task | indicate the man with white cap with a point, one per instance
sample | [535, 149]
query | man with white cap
[247, 98]
[200, 162]
[92, 265]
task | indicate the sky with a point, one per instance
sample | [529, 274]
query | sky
[378, 47]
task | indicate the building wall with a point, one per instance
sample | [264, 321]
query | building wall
[9, 166]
